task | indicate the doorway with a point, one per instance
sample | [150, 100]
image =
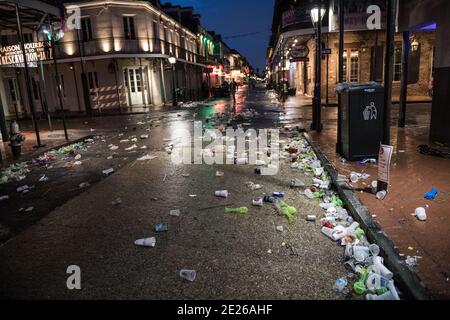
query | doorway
[136, 89]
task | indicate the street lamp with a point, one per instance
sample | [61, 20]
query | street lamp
[317, 15]
[173, 62]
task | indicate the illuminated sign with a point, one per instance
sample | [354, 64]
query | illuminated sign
[34, 51]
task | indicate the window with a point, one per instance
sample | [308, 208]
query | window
[351, 66]
[93, 80]
[86, 29]
[398, 63]
[128, 28]
[354, 66]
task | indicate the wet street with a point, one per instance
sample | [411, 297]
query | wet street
[235, 256]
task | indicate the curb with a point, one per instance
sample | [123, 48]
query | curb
[408, 281]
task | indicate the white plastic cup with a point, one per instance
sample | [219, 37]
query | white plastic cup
[352, 228]
[374, 250]
[354, 178]
[360, 253]
[421, 214]
[189, 275]
[381, 195]
[311, 218]
[374, 185]
[258, 202]
[393, 290]
[148, 242]
[222, 194]
[385, 272]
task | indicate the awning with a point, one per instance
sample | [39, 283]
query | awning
[32, 12]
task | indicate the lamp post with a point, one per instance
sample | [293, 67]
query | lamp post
[173, 62]
[316, 18]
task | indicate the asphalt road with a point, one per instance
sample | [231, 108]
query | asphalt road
[235, 256]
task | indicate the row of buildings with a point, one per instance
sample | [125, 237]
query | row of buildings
[421, 28]
[116, 59]
[293, 47]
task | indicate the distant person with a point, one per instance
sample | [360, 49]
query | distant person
[233, 89]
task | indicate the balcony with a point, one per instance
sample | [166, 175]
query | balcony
[105, 46]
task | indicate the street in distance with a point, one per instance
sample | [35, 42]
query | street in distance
[226, 310]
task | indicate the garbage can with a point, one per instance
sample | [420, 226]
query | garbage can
[362, 109]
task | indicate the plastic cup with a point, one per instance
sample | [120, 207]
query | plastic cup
[189, 275]
[222, 194]
[385, 272]
[421, 214]
[360, 253]
[258, 202]
[374, 250]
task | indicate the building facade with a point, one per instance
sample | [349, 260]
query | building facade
[117, 60]
[292, 50]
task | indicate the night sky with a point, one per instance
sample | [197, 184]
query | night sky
[238, 17]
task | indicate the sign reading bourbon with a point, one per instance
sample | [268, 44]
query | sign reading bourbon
[34, 51]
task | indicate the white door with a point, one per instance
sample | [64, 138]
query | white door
[134, 83]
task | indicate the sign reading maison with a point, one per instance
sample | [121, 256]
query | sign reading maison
[35, 51]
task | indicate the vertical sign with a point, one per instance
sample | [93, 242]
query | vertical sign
[384, 164]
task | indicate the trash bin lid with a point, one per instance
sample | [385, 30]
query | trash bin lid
[341, 87]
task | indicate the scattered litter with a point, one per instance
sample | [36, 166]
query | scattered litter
[280, 228]
[241, 210]
[340, 285]
[219, 174]
[29, 209]
[253, 186]
[108, 172]
[193, 195]
[175, 213]
[147, 157]
[431, 195]
[185, 175]
[78, 157]
[381, 195]
[133, 147]
[44, 178]
[311, 218]
[411, 262]
[110, 158]
[15, 172]
[222, 194]
[117, 202]
[113, 147]
[144, 136]
[188, 275]
[147, 242]
[369, 161]
[296, 183]
[258, 202]
[23, 189]
[84, 185]
[161, 227]
[421, 214]
[2, 198]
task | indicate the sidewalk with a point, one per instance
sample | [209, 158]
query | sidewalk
[412, 174]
